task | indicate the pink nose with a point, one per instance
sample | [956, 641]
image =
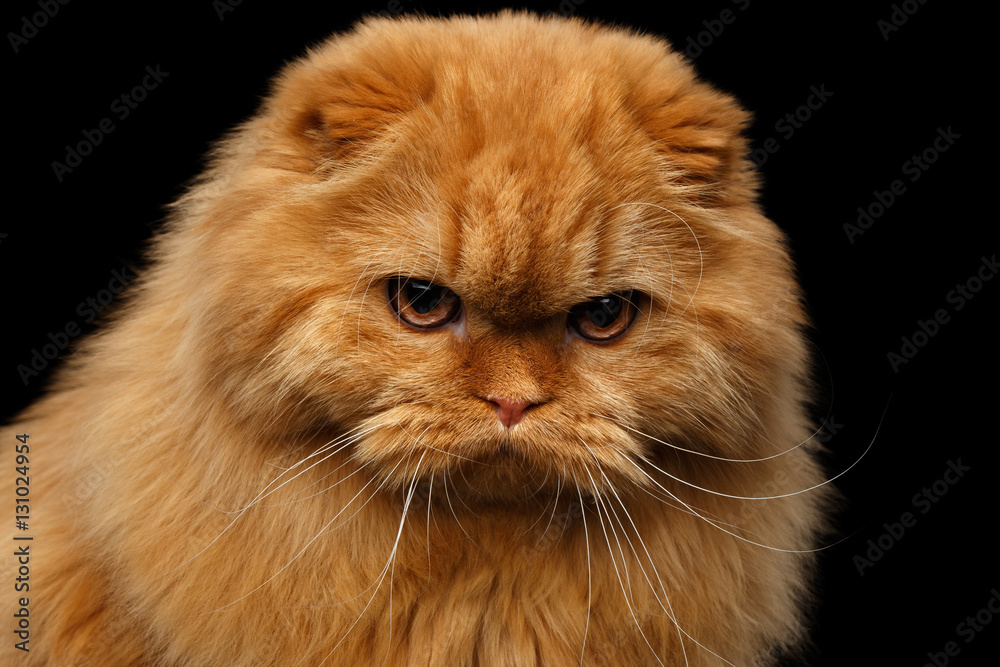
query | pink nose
[509, 412]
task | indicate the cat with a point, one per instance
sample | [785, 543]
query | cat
[472, 347]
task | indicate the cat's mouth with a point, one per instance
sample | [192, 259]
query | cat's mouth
[486, 465]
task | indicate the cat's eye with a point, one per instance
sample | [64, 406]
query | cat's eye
[605, 317]
[421, 303]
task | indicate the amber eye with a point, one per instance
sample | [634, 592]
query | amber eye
[605, 317]
[421, 303]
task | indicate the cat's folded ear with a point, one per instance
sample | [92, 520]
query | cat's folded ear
[697, 129]
[340, 100]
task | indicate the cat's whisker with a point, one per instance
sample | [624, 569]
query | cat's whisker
[260, 496]
[358, 430]
[461, 471]
[392, 555]
[339, 445]
[614, 563]
[321, 491]
[653, 493]
[425, 445]
[705, 454]
[333, 450]
[322, 531]
[362, 506]
[385, 569]
[447, 472]
[427, 538]
[668, 610]
[545, 531]
[586, 539]
[611, 487]
[781, 495]
[717, 525]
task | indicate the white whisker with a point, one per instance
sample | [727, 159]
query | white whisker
[617, 572]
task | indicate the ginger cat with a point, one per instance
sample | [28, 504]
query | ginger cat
[472, 347]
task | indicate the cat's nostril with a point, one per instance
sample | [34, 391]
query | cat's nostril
[510, 411]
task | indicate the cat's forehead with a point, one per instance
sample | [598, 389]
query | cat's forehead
[522, 235]
[528, 196]
[516, 260]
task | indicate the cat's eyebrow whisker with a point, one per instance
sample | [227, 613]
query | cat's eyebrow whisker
[399, 271]
[361, 274]
[701, 255]
[645, 328]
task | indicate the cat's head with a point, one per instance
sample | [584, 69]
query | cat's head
[508, 248]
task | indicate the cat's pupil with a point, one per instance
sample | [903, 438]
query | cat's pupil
[423, 297]
[605, 310]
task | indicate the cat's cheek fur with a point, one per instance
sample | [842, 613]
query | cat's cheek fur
[256, 463]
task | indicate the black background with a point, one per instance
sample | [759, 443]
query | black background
[889, 97]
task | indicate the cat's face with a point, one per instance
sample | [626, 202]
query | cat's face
[509, 264]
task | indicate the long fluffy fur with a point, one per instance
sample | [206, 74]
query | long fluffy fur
[255, 463]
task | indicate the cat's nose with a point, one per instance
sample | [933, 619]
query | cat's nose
[510, 411]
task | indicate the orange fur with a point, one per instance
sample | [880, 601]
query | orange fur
[529, 165]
